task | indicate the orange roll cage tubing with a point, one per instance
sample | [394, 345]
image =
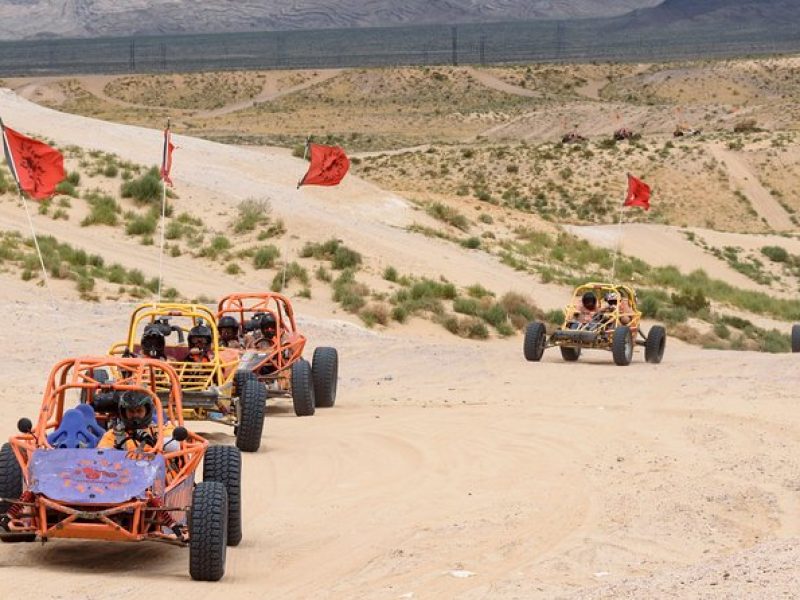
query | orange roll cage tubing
[279, 305]
[72, 374]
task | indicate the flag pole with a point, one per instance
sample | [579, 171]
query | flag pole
[24, 201]
[163, 219]
[619, 240]
[286, 239]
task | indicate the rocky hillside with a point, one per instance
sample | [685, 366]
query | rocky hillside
[94, 18]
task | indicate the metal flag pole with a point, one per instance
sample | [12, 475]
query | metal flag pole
[286, 239]
[619, 240]
[45, 277]
[163, 213]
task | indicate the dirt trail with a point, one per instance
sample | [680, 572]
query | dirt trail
[743, 178]
[498, 84]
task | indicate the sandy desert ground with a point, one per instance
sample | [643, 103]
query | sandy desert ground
[449, 468]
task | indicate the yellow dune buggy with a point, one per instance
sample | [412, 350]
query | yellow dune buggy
[602, 316]
[217, 388]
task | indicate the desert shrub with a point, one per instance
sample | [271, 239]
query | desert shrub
[390, 274]
[250, 213]
[449, 215]
[323, 274]
[233, 269]
[471, 242]
[692, 300]
[375, 313]
[341, 256]
[141, 225]
[104, 210]
[292, 271]
[67, 188]
[746, 126]
[265, 257]
[348, 292]
[775, 253]
[74, 178]
[145, 189]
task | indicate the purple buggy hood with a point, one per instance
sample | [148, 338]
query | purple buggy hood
[95, 476]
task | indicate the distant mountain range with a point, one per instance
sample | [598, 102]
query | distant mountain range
[99, 18]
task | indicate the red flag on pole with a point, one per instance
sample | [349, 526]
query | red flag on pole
[329, 164]
[166, 157]
[638, 193]
[36, 167]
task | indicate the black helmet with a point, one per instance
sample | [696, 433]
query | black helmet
[267, 324]
[201, 331]
[133, 399]
[589, 300]
[228, 322]
[611, 298]
[153, 341]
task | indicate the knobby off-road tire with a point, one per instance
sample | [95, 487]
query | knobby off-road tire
[224, 464]
[325, 373]
[10, 476]
[208, 525]
[795, 338]
[533, 346]
[11, 487]
[240, 377]
[302, 388]
[655, 344]
[251, 408]
[622, 346]
[570, 354]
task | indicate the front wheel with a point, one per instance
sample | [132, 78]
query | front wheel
[654, 344]
[302, 389]
[535, 341]
[10, 477]
[224, 464]
[250, 409]
[208, 524]
[622, 346]
[795, 338]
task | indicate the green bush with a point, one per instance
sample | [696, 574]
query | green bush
[265, 257]
[250, 213]
[348, 292]
[74, 178]
[141, 225]
[341, 256]
[449, 215]
[145, 189]
[290, 272]
[775, 253]
[104, 210]
[390, 274]
[67, 188]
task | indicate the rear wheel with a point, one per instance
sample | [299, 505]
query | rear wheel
[654, 344]
[570, 354]
[224, 464]
[533, 346]
[622, 346]
[207, 531]
[325, 373]
[302, 388]
[251, 407]
[795, 338]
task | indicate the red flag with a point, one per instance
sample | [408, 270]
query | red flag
[36, 167]
[329, 164]
[166, 157]
[638, 193]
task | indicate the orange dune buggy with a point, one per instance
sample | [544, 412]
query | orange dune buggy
[280, 365]
[220, 389]
[56, 483]
[615, 327]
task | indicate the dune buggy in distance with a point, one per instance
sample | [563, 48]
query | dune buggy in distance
[56, 483]
[218, 389]
[280, 363]
[615, 327]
